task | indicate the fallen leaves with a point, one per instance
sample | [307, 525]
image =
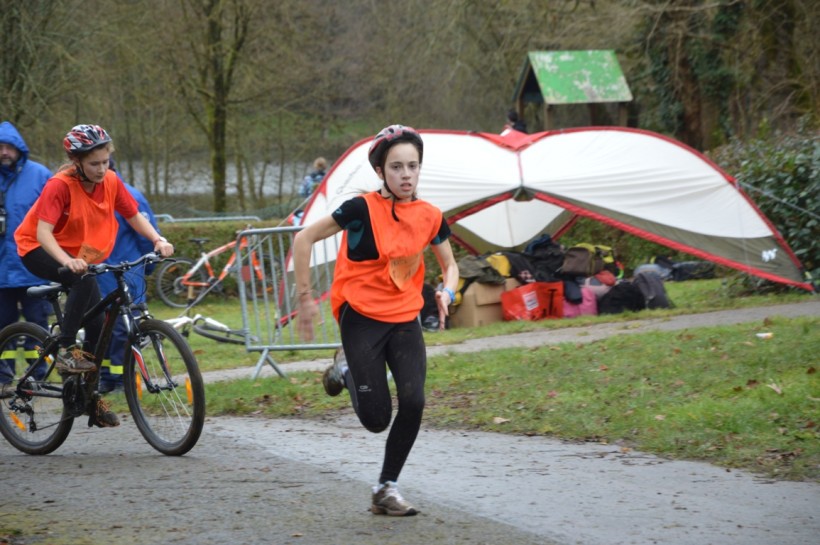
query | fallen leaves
[776, 388]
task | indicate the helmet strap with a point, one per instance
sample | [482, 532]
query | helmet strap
[81, 172]
[392, 198]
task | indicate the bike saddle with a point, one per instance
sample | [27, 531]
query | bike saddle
[47, 291]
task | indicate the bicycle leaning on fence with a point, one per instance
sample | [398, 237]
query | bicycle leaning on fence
[161, 378]
[183, 282]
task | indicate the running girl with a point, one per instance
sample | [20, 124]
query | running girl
[376, 297]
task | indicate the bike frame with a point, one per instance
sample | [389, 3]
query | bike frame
[158, 361]
[205, 262]
[189, 278]
[116, 304]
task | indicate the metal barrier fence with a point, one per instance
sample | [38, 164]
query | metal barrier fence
[267, 291]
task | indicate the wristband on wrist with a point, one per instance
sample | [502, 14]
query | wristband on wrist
[451, 293]
[160, 239]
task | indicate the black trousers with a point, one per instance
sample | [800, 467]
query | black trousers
[83, 294]
[369, 345]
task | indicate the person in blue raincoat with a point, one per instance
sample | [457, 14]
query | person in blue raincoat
[129, 246]
[21, 181]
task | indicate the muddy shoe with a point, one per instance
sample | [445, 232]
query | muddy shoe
[73, 361]
[388, 501]
[105, 417]
[334, 377]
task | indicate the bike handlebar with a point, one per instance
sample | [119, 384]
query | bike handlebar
[147, 259]
[100, 268]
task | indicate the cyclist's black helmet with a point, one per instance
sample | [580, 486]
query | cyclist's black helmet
[84, 138]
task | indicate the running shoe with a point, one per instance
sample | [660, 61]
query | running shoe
[388, 501]
[72, 361]
[333, 378]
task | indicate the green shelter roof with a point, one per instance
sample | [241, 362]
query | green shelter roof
[572, 77]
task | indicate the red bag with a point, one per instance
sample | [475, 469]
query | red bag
[534, 301]
[606, 278]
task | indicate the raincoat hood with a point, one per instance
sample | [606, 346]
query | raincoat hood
[10, 135]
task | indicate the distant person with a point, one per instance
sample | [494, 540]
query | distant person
[376, 297]
[21, 182]
[71, 225]
[514, 123]
[312, 180]
[129, 246]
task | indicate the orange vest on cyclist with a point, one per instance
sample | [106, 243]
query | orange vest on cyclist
[389, 288]
[90, 230]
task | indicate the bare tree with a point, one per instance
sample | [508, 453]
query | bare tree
[209, 49]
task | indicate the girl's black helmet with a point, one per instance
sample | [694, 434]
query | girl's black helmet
[84, 138]
[389, 136]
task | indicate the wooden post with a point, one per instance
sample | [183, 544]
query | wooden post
[548, 121]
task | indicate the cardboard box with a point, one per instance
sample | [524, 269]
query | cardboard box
[480, 304]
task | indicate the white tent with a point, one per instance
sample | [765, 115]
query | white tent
[500, 192]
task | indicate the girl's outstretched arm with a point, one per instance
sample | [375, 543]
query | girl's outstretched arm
[302, 248]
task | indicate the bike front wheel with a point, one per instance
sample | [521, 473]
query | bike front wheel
[33, 417]
[164, 389]
[172, 289]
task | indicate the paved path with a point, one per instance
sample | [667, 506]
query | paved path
[561, 492]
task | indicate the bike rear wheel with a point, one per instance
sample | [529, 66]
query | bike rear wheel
[33, 418]
[169, 283]
[230, 336]
[164, 389]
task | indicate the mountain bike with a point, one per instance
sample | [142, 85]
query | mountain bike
[183, 282]
[162, 382]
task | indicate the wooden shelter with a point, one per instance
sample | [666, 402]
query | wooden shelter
[553, 78]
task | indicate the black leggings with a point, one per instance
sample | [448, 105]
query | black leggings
[368, 345]
[83, 293]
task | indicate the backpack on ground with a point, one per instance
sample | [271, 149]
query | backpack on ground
[693, 270]
[653, 290]
[606, 253]
[579, 260]
[621, 297]
[546, 257]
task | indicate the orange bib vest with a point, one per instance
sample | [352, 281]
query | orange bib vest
[90, 229]
[389, 288]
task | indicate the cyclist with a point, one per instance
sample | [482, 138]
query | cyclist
[376, 297]
[71, 225]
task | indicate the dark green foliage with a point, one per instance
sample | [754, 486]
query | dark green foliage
[781, 173]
